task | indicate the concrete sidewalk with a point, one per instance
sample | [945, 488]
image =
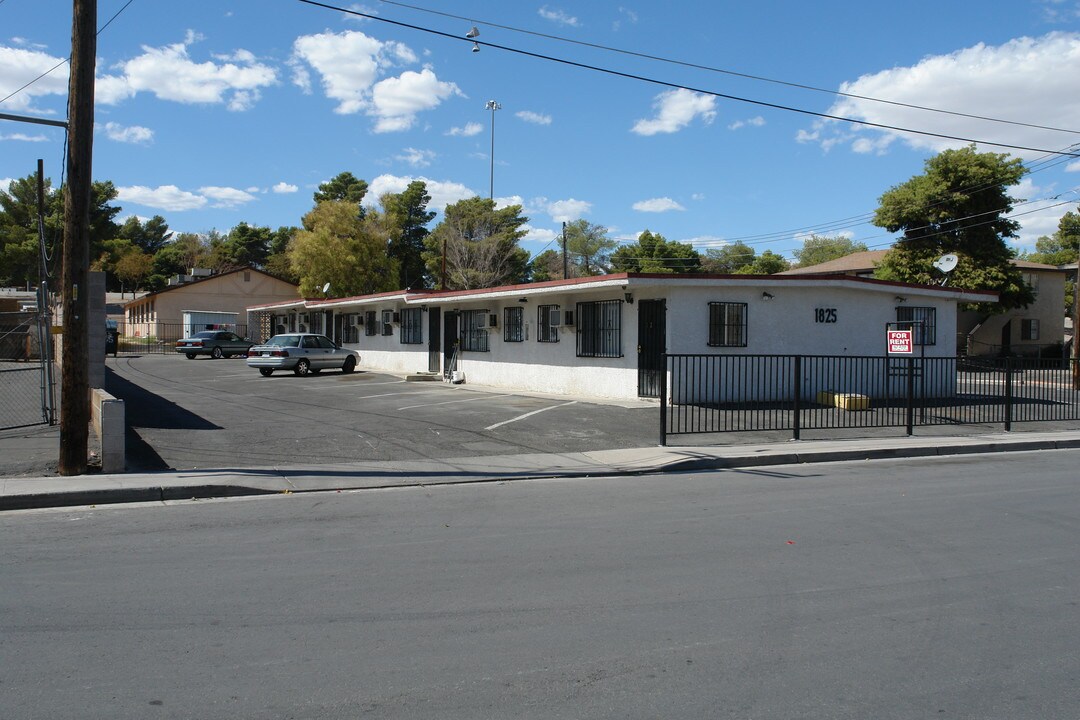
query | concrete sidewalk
[43, 492]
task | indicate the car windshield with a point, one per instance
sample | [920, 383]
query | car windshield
[284, 340]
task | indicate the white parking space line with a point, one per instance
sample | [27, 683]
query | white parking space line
[528, 414]
[368, 397]
[454, 402]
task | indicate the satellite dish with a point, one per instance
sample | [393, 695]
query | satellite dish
[327, 287]
[946, 263]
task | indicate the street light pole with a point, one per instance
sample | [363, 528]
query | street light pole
[492, 106]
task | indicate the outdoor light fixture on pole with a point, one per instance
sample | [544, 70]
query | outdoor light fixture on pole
[492, 106]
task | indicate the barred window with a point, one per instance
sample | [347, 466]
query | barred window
[599, 326]
[370, 326]
[411, 320]
[474, 334]
[548, 332]
[727, 324]
[513, 324]
[923, 320]
[387, 320]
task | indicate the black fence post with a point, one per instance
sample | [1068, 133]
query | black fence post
[663, 399]
[911, 395]
[796, 386]
[1008, 393]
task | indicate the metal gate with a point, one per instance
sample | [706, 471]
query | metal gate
[652, 344]
[26, 385]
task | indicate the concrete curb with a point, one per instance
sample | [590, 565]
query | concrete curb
[158, 492]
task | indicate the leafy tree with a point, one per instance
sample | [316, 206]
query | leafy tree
[347, 251]
[818, 249]
[959, 205]
[1062, 247]
[245, 245]
[132, 268]
[652, 253]
[184, 251]
[588, 248]
[728, 260]
[19, 244]
[277, 262]
[408, 211]
[345, 187]
[149, 236]
[546, 266]
[767, 263]
[481, 245]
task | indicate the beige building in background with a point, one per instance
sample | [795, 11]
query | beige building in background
[161, 314]
[1029, 331]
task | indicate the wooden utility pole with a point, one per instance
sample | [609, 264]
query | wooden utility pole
[75, 382]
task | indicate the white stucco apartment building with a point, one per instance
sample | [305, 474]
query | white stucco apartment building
[605, 336]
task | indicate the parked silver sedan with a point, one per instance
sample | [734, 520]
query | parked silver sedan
[303, 353]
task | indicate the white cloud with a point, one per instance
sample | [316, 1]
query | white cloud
[624, 14]
[22, 137]
[1073, 166]
[568, 210]
[226, 197]
[397, 100]
[349, 64]
[533, 117]
[752, 122]
[675, 109]
[442, 193]
[505, 202]
[558, 16]
[707, 241]
[5, 183]
[1037, 75]
[469, 130]
[170, 74]
[1038, 216]
[135, 134]
[284, 188]
[18, 66]
[165, 197]
[541, 235]
[416, 158]
[657, 205]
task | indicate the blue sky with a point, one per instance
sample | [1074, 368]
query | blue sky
[213, 113]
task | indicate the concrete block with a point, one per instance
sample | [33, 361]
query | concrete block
[107, 416]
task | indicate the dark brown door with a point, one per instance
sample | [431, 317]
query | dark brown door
[434, 333]
[652, 344]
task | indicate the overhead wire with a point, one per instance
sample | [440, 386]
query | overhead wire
[678, 86]
[733, 73]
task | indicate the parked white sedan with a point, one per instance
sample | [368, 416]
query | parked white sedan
[303, 353]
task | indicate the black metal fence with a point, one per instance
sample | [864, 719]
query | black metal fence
[146, 338]
[732, 393]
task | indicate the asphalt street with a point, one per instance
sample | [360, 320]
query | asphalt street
[932, 587]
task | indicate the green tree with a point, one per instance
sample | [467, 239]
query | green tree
[245, 245]
[652, 253]
[347, 251]
[546, 266]
[19, 245]
[767, 263]
[960, 206]
[277, 262]
[408, 212]
[132, 268]
[1062, 247]
[149, 236]
[183, 252]
[588, 248]
[345, 187]
[728, 260]
[818, 249]
[481, 245]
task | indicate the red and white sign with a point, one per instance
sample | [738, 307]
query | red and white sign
[901, 342]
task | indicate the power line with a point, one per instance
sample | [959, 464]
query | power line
[732, 73]
[677, 86]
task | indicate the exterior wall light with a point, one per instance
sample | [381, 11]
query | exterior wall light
[767, 295]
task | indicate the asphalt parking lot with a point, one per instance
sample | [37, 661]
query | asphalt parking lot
[186, 414]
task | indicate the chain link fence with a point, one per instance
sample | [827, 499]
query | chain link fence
[25, 398]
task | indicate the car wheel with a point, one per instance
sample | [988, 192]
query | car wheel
[216, 353]
[303, 367]
[190, 356]
[266, 372]
[349, 366]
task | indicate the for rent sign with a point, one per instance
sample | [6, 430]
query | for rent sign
[901, 342]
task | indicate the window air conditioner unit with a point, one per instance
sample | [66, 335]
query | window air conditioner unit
[483, 321]
[387, 317]
[555, 318]
[356, 320]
